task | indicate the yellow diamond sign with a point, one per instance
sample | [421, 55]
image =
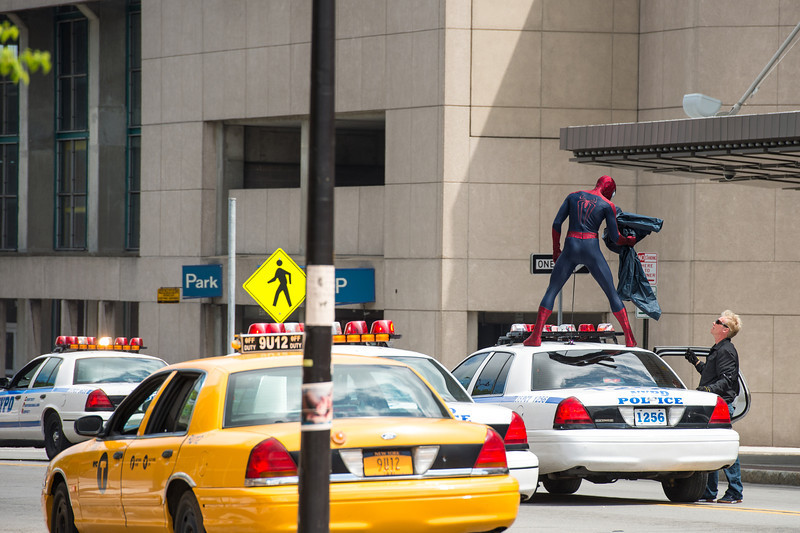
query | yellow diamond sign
[278, 285]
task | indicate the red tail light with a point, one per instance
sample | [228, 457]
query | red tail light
[721, 415]
[98, 401]
[493, 452]
[270, 459]
[516, 434]
[571, 412]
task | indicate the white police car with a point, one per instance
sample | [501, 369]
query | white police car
[83, 375]
[523, 464]
[604, 412]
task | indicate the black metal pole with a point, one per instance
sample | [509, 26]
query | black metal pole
[315, 453]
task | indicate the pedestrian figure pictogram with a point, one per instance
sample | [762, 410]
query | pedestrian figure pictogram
[284, 279]
[278, 285]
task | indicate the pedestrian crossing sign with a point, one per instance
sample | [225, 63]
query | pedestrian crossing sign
[278, 285]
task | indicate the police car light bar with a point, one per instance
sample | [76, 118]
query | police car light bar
[564, 332]
[74, 342]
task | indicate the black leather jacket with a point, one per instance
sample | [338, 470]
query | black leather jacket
[720, 372]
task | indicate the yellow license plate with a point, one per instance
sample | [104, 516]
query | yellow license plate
[388, 463]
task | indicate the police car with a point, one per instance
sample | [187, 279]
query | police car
[601, 411]
[83, 375]
[522, 462]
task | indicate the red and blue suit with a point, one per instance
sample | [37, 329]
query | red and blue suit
[586, 211]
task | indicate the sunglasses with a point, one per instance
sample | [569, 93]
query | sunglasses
[721, 323]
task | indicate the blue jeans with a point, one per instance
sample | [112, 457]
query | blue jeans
[734, 475]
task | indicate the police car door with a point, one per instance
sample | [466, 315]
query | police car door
[11, 400]
[675, 356]
[38, 395]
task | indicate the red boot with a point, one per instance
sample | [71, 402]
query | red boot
[622, 316]
[535, 338]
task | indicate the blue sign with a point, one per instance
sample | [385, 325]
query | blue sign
[202, 281]
[355, 285]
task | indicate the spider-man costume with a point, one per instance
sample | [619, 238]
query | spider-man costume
[586, 211]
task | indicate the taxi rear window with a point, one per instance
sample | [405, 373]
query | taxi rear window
[272, 395]
[572, 369]
[123, 369]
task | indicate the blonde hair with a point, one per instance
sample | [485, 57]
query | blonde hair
[733, 322]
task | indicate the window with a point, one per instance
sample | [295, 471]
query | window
[9, 156]
[174, 408]
[47, 377]
[114, 369]
[72, 128]
[134, 144]
[466, 370]
[131, 411]
[23, 379]
[272, 155]
[492, 379]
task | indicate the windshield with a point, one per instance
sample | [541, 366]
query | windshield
[438, 376]
[272, 395]
[122, 369]
[600, 368]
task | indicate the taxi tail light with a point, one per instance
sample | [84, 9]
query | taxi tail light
[493, 452]
[517, 433]
[571, 413]
[98, 401]
[270, 459]
[721, 415]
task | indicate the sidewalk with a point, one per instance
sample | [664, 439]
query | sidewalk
[770, 466]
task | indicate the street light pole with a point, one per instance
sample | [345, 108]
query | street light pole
[315, 453]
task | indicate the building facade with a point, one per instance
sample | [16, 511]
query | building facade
[119, 164]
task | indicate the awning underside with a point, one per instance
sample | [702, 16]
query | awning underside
[759, 150]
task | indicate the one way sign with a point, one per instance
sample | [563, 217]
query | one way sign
[543, 264]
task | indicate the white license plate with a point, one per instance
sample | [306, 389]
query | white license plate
[649, 417]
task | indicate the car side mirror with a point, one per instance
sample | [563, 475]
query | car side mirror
[4, 382]
[89, 426]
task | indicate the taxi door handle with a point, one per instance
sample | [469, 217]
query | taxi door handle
[118, 455]
[166, 454]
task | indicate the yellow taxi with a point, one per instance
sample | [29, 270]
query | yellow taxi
[214, 445]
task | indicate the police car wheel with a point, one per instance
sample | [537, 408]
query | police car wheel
[62, 519]
[54, 440]
[562, 486]
[688, 489]
[188, 518]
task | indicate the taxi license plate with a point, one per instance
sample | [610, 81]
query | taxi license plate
[649, 417]
[387, 463]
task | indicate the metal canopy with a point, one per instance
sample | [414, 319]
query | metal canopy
[761, 150]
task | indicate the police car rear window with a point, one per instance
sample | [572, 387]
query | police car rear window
[272, 395]
[572, 369]
[122, 369]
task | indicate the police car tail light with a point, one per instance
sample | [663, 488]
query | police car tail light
[269, 459]
[98, 401]
[586, 327]
[570, 414]
[517, 433]
[493, 453]
[721, 415]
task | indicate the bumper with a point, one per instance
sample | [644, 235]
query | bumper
[639, 450]
[524, 467]
[452, 505]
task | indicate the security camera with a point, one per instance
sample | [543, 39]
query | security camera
[728, 175]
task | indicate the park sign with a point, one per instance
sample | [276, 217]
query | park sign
[278, 286]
